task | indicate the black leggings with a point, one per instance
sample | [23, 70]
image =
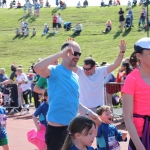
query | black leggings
[25, 96]
[55, 137]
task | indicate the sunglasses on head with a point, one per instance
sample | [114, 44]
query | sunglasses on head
[87, 69]
[76, 53]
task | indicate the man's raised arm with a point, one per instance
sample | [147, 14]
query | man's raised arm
[42, 67]
[118, 60]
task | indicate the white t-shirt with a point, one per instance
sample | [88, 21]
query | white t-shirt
[23, 86]
[92, 87]
[59, 20]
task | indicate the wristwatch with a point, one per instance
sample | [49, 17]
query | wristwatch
[88, 111]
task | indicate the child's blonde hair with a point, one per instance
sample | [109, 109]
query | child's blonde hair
[109, 21]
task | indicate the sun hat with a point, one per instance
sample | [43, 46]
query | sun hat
[143, 43]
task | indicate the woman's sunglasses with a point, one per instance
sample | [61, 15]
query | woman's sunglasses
[76, 53]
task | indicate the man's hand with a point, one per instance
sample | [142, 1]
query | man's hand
[67, 51]
[122, 46]
[95, 118]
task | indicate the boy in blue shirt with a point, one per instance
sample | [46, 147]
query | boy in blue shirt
[108, 137]
[3, 133]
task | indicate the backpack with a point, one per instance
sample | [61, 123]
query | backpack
[116, 100]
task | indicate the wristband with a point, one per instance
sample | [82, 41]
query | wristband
[88, 111]
[123, 52]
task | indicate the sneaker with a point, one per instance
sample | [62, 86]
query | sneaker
[27, 112]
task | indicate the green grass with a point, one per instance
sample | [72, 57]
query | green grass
[103, 47]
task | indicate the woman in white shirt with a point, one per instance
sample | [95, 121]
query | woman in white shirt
[22, 84]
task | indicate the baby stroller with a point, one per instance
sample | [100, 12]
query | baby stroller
[128, 22]
[67, 25]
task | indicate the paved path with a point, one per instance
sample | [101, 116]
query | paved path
[18, 126]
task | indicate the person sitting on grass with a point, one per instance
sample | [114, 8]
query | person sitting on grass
[23, 31]
[47, 4]
[18, 5]
[108, 26]
[27, 32]
[134, 2]
[141, 2]
[17, 32]
[110, 2]
[115, 3]
[77, 29]
[118, 2]
[108, 136]
[85, 4]
[102, 3]
[11, 4]
[33, 32]
[46, 29]
[79, 5]
[67, 26]
[62, 5]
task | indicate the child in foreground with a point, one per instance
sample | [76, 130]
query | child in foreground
[3, 133]
[41, 123]
[81, 134]
[108, 137]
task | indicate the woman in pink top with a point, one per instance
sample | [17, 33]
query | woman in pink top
[136, 97]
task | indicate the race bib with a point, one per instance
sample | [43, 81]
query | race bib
[113, 144]
[2, 120]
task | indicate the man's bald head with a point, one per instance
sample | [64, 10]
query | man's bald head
[72, 44]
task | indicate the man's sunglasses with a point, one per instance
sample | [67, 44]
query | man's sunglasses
[87, 69]
[76, 53]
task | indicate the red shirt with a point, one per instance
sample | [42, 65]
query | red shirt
[54, 19]
[120, 76]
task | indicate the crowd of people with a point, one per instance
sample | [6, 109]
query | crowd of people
[125, 21]
[63, 87]
[71, 115]
[24, 29]
[42, 76]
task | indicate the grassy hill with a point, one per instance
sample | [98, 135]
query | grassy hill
[103, 47]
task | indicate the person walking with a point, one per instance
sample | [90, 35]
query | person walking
[63, 91]
[136, 97]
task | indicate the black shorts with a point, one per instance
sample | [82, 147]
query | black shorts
[55, 137]
[58, 25]
[54, 25]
